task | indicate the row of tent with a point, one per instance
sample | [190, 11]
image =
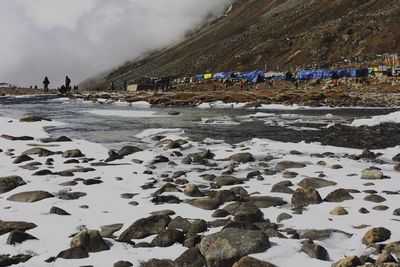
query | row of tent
[257, 76]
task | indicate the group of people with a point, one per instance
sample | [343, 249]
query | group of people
[64, 89]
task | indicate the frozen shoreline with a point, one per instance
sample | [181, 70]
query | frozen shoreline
[105, 205]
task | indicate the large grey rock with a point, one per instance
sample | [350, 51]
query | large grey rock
[9, 183]
[242, 157]
[17, 138]
[145, 227]
[32, 118]
[283, 165]
[30, 196]
[305, 196]
[168, 237]
[158, 263]
[190, 258]
[313, 234]
[73, 253]
[228, 180]
[247, 261]
[267, 201]
[74, 153]
[224, 248]
[41, 152]
[89, 240]
[128, 150]
[18, 237]
[372, 174]
[8, 226]
[282, 187]
[351, 261]
[314, 250]
[205, 203]
[107, 231]
[315, 183]
[7, 260]
[338, 195]
[247, 212]
[376, 235]
[22, 158]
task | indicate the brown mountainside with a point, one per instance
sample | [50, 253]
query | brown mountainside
[283, 34]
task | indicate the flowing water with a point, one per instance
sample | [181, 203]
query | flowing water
[84, 120]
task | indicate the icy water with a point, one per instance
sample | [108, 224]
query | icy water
[84, 120]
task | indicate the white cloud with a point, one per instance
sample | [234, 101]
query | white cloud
[80, 38]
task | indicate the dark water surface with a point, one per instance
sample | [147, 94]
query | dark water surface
[227, 124]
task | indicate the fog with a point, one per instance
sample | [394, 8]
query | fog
[81, 38]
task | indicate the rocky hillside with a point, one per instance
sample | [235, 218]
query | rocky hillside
[284, 34]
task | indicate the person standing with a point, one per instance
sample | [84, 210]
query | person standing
[46, 83]
[67, 84]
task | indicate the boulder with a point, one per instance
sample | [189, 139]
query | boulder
[158, 263]
[242, 157]
[74, 153]
[315, 183]
[372, 174]
[339, 211]
[315, 251]
[73, 253]
[17, 138]
[228, 246]
[89, 240]
[396, 212]
[58, 211]
[385, 257]
[376, 235]
[313, 234]
[352, 261]
[284, 165]
[22, 158]
[228, 180]
[145, 227]
[128, 150]
[30, 196]
[396, 158]
[246, 212]
[179, 223]
[375, 198]
[8, 260]
[190, 258]
[283, 217]
[338, 195]
[18, 237]
[32, 118]
[8, 226]
[122, 264]
[205, 203]
[394, 248]
[282, 187]
[168, 237]
[107, 231]
[191, 190]
[247, 261]
[10, 183]
[41, 152]
[305, 196]
[267, 201]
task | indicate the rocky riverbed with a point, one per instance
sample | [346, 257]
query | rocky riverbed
[172, 201]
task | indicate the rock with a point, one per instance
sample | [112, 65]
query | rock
[32, 118]
[396, 158]
[73, 253]
[363, 211]
[247, 261]
[158, 263]
[166, 199]
[8, 226]
[289, 175]
[145, 227]
[112, 156]
[338, 195]
[168, 237]
[246, 212]
[190, 258]
[315, 251]
[315, 183]
[163, 212]
[283, 216]
[220, 213]
[396, 212]
[70, 195]
[227, 196]
[160, 159]
[205, 203]
[394, 248]
[58, 211]
[92, 181]
[352, 261]
[128, 150]
[198, 226]
[367, 154]
[313, 234]
[173, 145]
[380, 207]
[284, 165]
[31, 166]
[267, 201]
[22, 158]
[305, 196]
[75, 153]
[337, 166]
[107, 231]
[282, 187]
[71, 161]
[17, 138]
[242, 157]
[10, 183]
[228, 180]
[375, 198]
[42, 173]
[372, 174]
[30, 196]
[18, 237]
[191, 190]
[56, 140]
[89, 240]
[376, 235]
[397, 167]
[339, 211]
[179, 223]
[41, 152]
[228, 246]
[123, 264]
[7, 260]
[385, 257]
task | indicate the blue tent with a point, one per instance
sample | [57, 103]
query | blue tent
[199, 77]
[255, 76]
[222, 75]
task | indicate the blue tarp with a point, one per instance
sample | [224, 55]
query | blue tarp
[331, 74]
[255, 76]
[223, 75]
[199, 77]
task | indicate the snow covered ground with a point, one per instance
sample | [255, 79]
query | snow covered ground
[103, 204]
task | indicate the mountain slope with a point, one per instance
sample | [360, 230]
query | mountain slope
[282, 34]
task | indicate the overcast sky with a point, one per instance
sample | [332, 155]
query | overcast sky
[81, 38]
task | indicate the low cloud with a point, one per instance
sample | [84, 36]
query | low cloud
[81, 38]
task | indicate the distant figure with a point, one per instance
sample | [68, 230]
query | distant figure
[67, 83]
[241, 84]
[296, 84]
[46, 83]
